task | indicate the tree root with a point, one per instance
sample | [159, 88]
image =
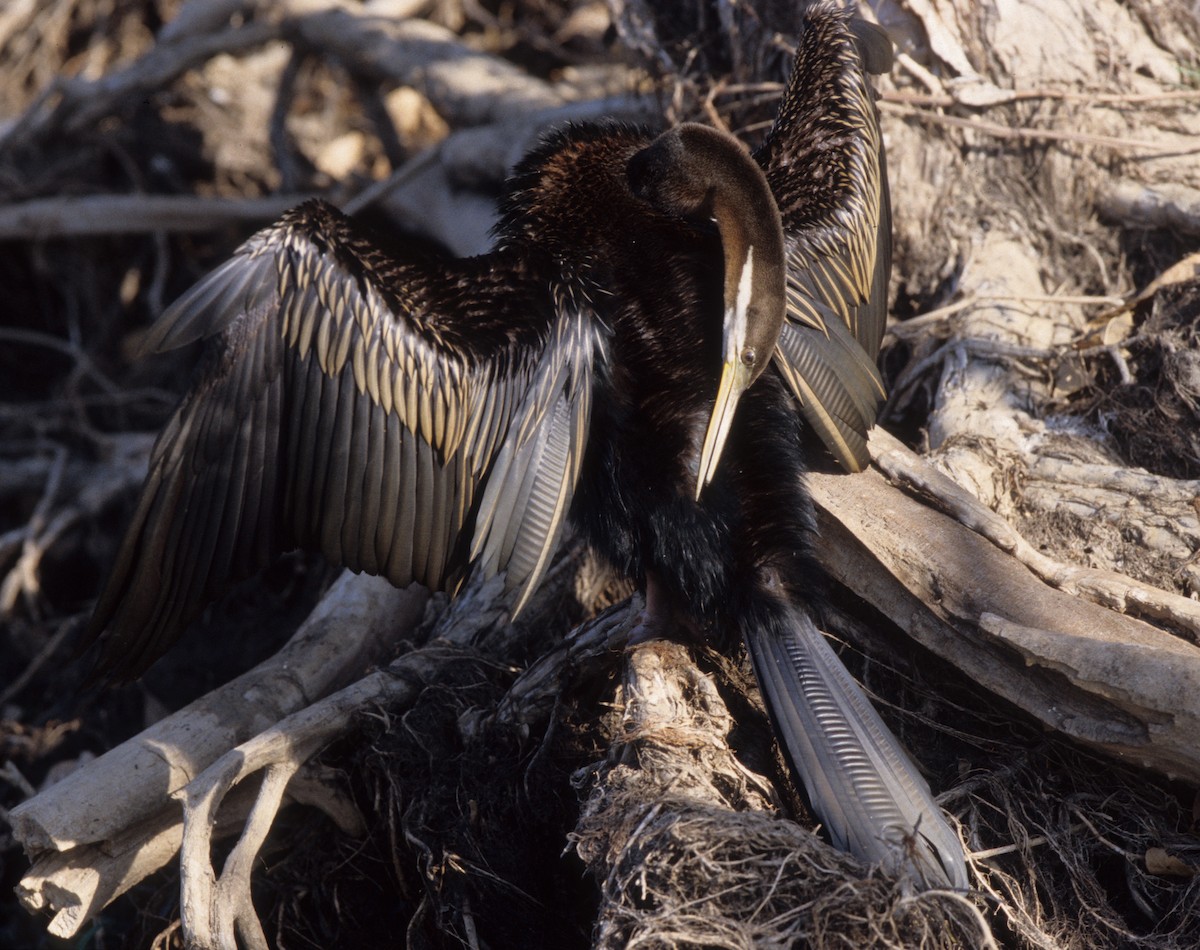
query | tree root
[1107, 588]
[357, 623]
[213, 906]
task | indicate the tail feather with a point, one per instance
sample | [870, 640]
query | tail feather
[860, 782]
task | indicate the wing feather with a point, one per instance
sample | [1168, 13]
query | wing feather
[188, 542]
[824, 160]
[262, 493]
[233, 475]
[527, 497]
[389, 492]
[317, 455]
[424, 498]
[362, 534]
[246, 279]
[400, 561]
[329, 509]
[836, 383]
[303, 431]
[546, 509]
[347, 406]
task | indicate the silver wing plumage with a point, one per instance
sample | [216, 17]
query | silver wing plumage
[390, 429]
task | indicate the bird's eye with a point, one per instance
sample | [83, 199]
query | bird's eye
[748, 356]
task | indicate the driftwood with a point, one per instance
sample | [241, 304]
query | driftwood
[950, 545]
[1066, 658]
[108, 825]
[1094, 674]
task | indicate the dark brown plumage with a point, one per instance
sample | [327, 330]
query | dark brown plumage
[825, 163]
[426, 419]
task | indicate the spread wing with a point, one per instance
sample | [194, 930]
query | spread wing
[407, 420]
[824, 160]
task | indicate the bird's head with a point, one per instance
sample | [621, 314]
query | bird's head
[697, 172]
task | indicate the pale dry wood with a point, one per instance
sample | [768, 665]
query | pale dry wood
[1070, 656]
[1158, 513]
[1118, 87]
[955, 96]
[943, 26]
[76, 884]
[674, 734]
[14, 17]
[1165, 205]
[1107, 588]
[466, 86]
[984, 421]
[433, 188]
[218, 909]
[674, 801]
[72, 105]
[355, 624]
[73, 217]
[987, 433]
[270, 720]
[676, 726]
[1026, 133]
[378, 45]
[213, 907]
[1113, 683]
[1105, 679]
[119, 804]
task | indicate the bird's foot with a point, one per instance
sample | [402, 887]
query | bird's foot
[645, 627]
[656, 619]
[661, 617]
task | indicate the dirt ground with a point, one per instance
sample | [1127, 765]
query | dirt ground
[1044, 354]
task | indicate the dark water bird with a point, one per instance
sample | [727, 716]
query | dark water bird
[630, 355]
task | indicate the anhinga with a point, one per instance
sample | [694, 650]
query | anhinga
[424, 419]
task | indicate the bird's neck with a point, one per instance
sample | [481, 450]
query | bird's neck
[752, 246]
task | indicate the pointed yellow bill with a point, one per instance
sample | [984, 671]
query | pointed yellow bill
[735, 378]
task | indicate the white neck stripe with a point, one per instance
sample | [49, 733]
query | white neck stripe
[738, 314]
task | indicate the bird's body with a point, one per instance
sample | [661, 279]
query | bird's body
[655, 283]
[423, 419]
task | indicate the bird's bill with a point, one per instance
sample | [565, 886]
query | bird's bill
[735, 378]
